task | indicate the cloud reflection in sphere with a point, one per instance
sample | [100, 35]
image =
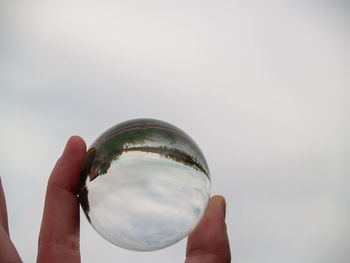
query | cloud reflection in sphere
[144, 185]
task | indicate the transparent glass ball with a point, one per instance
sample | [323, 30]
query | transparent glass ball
[144, 184]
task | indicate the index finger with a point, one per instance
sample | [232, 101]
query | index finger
[59, 233]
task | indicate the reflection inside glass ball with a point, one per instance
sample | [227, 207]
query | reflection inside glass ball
[144, 185]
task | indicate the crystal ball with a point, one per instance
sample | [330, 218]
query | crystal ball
[144, 184]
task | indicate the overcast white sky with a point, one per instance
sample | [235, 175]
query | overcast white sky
[261, 86]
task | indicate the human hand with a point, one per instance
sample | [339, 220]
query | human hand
[208, 242]
[8, 252]
[59, 234]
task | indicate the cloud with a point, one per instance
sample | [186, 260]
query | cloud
[262, 88]
[145, 202]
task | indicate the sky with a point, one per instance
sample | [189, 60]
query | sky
[145, 202]
[261, 86]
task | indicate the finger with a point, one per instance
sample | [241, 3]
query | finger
[3, 211]
[208, 243]
[8, 252]
[59, 234]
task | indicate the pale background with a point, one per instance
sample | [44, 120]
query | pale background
[261, 86]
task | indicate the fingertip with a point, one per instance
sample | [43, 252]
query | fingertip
[76, 140]
[217, 204]
[75, 144]
[219, 198]
[67, 169]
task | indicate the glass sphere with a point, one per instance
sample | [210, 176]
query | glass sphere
[144, 185]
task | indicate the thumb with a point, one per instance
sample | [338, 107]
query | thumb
[208, 243]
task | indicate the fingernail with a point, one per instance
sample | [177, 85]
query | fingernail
[223, 206]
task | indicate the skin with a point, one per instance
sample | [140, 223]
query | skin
[59, 234]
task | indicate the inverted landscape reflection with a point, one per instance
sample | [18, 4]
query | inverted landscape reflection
[144, 185]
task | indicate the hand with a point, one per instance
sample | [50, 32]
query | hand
[208, 242]
[59, 234]
[8, 252]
